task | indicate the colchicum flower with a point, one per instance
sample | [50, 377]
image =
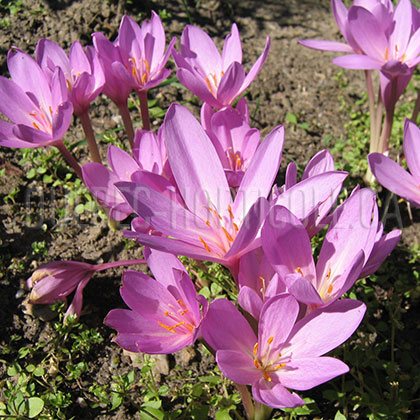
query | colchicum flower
[82, 70]
[345, 252]
[56, 280]
[39, 110]
[233, 138]
[216, 79]
[392, 176]
[285, 354]
[164, 313]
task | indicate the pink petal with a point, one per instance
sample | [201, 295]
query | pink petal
[393, 177]
[275, 395]
[232, 49]
[326, 45]
[235, 335]
[195, 164]
[260, 175]
[277, 318]
[324, 329]
[305, 373]
[412, 148]
[287, 245]
[357, 61]
[238, 366]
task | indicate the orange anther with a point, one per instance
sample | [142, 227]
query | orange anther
[36, 126]
[230, 212]
[228, 235]
[267, 377]
[256, 348]
[270, 340]
[204, 244]
[181, 303]
[330, 289]
[279, 366]
[386, 53]
[257, 365]
[235, 226]
[208, 223]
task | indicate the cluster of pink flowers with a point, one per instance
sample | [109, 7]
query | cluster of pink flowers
[204, 190]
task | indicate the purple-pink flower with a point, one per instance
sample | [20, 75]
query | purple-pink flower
[346, 250]
[216, 79]
[38, 109]
[285, 353]
[233, 138]
[136, 59]
[392, 176]
[164, 314]
[82, 70]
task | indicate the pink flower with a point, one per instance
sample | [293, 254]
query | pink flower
[233, 138]
[286, 353]
[216, 79]
[392, 176]
[39, 109]
[56, 280]
[164, 313]
[82, 70]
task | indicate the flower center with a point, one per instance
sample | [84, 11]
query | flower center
[270, 361]
[178, 319]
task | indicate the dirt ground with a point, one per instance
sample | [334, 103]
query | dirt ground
[294, 80]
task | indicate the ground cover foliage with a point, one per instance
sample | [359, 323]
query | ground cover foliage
[50, 370]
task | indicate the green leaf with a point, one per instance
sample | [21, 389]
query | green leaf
[116, 400]
[39, 371]
[14, 369]
[31, 173]
[339, 416]
[79, 209]
[223, 414]
[291, 118]
[35, 406]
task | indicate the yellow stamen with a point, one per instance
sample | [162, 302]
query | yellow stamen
[166, 313]
[262, 282]
[255, 348]
[143, 78]
[230, 212]
[147, 65]
[32, 114]
[403, 58]
[184, 312]
[386, 53]
[208, 223]
[236, 226]
[257, 365]
[181, 303]
[36, 126]
[270, 340]
[165, 326]
[51, 111]
[330, 289]
[266, 376]
[228, 235]
[298, 270]
[214, 79]
[209, 85]
[204, 244]
[279, 366]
